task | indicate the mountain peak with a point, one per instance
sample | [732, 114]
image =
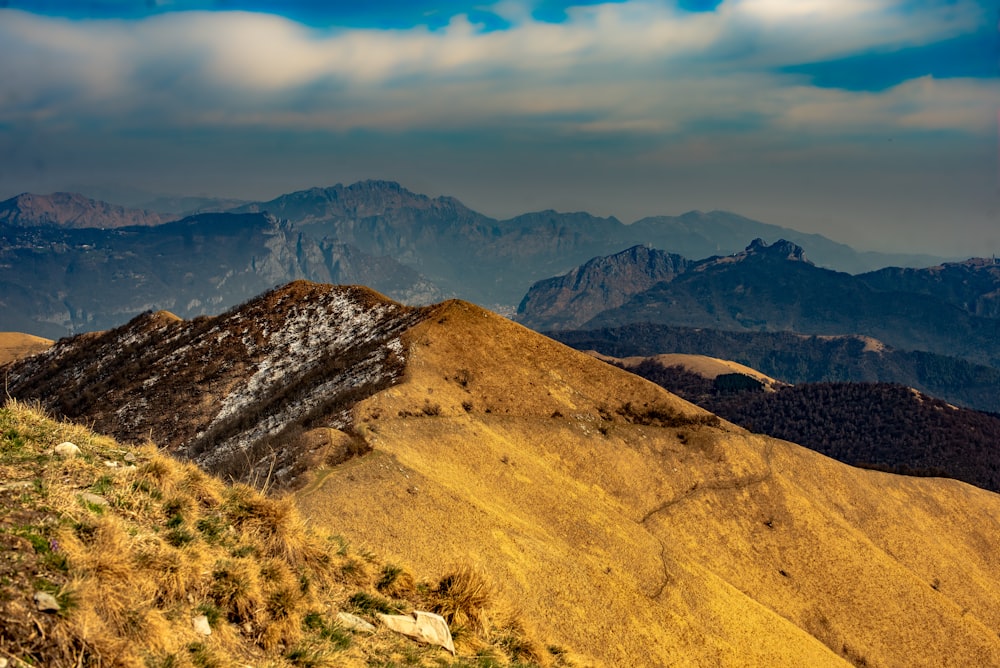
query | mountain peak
[599, 284]
[780, 249]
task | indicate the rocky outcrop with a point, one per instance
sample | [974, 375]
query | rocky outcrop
[568, 301]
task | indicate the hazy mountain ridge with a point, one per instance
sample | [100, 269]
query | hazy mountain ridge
[634, 526]
[774, 288]
[973, 284]
[59, 281]
[412, 247]
[494, 261]
[72, 210]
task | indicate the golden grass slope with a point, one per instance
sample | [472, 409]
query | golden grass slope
[15, 345]
[703, 365]
[135, 545]
[638, 529]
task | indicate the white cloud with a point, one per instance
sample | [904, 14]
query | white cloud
[968, 105]
[637, 67]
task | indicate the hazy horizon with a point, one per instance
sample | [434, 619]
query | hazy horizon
[872, 123]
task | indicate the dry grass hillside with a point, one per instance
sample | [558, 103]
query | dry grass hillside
[627, 524]
[15, 345]
[150, 562]
[641, 530]
[703, 365]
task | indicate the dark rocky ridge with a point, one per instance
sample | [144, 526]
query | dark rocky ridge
[243, 393]
[568, 301]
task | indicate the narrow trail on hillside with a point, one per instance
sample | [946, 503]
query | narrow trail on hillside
[737, 483]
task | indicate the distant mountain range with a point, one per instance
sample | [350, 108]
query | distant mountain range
[945, 310]
[427, 248]
[56, 280]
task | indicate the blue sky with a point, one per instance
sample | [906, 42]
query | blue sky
[871, 121]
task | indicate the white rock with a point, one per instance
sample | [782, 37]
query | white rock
[201, 625]
[355, 623]
[94, 499]
[46, 602]
[66, 449]
[423, 626]
[11, 486]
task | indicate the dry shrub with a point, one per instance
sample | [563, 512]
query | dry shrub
[204, 489]
[99, 548]
[396, 582]
[464, 597]
[176, 573]
[516, 639]
[284, 604]
[235, 588]
[117, 619]
[356, 571]
[160, 470]
[276, 525]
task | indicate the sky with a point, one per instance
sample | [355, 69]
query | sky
[873, 122]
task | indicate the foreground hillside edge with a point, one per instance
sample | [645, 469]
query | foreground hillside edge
[629, 524]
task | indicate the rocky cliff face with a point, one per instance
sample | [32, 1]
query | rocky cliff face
[608, 282]
[74, 211]
[774, 288]
[568, 301]
[63, 281]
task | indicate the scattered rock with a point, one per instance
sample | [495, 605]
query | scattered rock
[3, 662]
[94, 499]
[427, 627]
[129, 457]
[110, 464]
[355, 623]
[201, 625]
[13, 486]
[46, 602]
[66, 449]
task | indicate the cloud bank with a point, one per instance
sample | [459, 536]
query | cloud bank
[657, 84]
